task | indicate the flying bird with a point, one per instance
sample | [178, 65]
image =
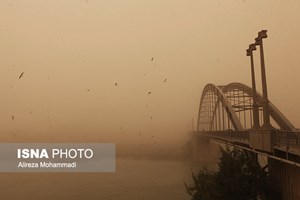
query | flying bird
[165, 80]
[152, 59]
[21, 75]
[116, 84]
[151, 117]
[88, 90]
[12, 117]
[149, 93]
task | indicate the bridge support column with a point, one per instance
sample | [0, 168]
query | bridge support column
[266, 113]
[254, 94]
[261, 140]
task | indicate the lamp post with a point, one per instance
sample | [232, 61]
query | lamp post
[266, 115]
[252, 47]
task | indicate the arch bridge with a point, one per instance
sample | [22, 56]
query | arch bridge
[238, 114]
[226, 114]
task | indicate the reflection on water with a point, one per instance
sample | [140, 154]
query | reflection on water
[134, 179]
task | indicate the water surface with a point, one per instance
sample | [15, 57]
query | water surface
[133, 179]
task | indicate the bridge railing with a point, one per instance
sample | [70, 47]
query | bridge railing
[230, 135]
[286, 138]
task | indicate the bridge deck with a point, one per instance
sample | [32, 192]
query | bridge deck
[285, 145]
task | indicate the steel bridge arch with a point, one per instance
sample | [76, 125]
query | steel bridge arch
[275, 113]
[221, 98]
[220, 91]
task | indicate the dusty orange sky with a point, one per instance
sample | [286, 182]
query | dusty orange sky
[67, 47]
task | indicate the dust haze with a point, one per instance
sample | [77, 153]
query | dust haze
[132, 72]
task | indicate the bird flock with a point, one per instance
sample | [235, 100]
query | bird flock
[116, 84]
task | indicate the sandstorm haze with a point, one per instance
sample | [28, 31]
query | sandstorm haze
[72, 53]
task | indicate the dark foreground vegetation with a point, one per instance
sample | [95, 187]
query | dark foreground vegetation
[240, 177]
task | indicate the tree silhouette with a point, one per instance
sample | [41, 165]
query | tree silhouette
[239, 177]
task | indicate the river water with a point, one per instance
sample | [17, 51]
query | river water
[133, 179]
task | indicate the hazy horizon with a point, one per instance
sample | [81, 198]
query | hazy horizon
[73, 52]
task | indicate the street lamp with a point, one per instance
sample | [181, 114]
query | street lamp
[252, 47]
[266, 115]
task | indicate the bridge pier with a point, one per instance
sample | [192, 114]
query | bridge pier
[261, 140]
